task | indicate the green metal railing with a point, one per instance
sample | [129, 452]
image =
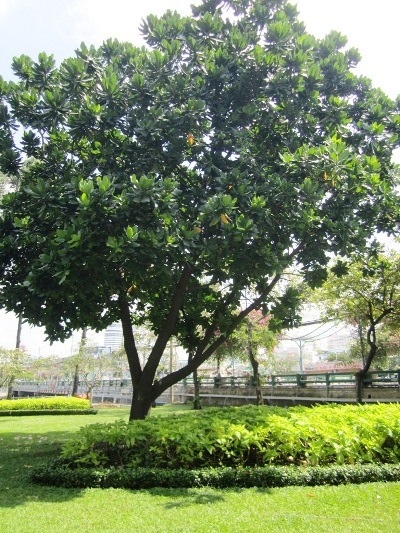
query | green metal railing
[373, 378]
[389, 377]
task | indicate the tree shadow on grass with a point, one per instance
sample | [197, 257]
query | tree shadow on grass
[19, 453]
[189, 497]
[197, 496]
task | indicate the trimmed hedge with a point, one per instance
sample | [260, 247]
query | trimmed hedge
[59, 475]
[22, 412]
[55, 403]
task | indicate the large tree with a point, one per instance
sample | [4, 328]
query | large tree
[170, 179]
[366, 293]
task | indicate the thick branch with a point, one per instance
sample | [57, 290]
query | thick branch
[170, 323]
[202, 356]
[129, 342]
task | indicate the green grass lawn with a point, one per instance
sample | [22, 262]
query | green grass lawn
[27, 508]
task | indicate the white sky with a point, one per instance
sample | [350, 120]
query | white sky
[59, 26]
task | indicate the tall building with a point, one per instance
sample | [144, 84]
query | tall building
[113, 338]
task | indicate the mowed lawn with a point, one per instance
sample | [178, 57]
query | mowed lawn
[27, 508]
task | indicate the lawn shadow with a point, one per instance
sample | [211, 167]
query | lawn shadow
[19, 453]
[190, 498]
[196, 496]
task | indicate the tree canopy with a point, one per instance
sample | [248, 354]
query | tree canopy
[169, 179]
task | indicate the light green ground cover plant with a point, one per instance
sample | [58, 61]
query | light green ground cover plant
[246, 436]
[56, 403]
[26, 442]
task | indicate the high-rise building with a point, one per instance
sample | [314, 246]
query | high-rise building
[113, 337]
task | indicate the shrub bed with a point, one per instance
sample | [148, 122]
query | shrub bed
[244, 436]
[241, 446]
[53, 405]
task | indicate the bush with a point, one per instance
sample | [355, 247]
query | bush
[58, 403]
[244, 437]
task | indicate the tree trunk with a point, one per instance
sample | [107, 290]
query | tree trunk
[196, 384]
[10, 388]
[360, 375]
[76, 381]
[142, 400]
[76, 375]
[254, 364]
[362, 344]
[196, 400]
[19, 331]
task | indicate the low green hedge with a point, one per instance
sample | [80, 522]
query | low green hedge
[58, 412]
[54, 403]
[59, 475]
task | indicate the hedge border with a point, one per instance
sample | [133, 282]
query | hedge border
[32, 412]
[60, 475]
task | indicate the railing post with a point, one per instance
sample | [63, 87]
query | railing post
[300, 380]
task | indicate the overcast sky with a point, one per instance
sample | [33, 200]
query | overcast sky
[59, 26]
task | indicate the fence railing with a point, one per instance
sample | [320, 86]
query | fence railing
[328, 379]
[381, 378]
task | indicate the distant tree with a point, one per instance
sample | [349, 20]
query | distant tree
[365, 293]
[14, 364]
[245, 343]
[168, 181]
[89, 365]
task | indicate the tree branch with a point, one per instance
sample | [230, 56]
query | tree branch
[129, 341]
[170, 322]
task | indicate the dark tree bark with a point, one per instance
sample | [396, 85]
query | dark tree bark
[254, 364]
[196, 400]
[373, 348]
[75, 384]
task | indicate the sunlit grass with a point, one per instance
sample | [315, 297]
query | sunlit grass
[25, 508]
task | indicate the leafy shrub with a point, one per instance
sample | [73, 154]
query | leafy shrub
[38, 404]
[242, 437]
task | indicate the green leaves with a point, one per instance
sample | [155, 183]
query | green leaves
[246, 436]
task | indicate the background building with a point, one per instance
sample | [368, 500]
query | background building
[113, 338]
